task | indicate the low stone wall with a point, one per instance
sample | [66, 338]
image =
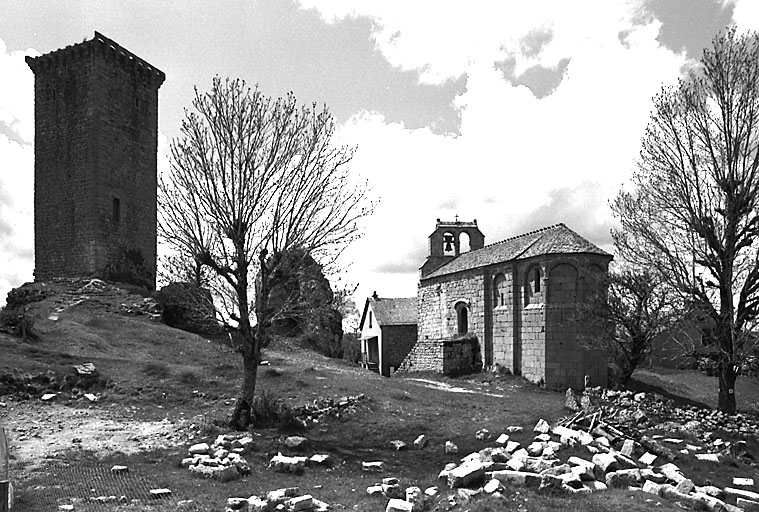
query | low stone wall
[456, 356]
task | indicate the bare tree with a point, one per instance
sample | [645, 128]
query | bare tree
[694, 216]
[251, 180]
[632, 308]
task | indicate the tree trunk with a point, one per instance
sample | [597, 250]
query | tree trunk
[242, 414]
[727, 378]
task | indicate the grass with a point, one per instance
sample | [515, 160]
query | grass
[155, 369]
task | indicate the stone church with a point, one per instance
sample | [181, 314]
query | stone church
[511, 304]
[95, 158]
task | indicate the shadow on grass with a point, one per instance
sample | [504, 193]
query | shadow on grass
[638, 386]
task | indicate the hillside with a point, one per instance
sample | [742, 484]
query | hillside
[159, 389]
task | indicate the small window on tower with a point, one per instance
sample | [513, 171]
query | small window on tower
[116, 210]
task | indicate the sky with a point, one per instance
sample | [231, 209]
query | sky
[520, 115]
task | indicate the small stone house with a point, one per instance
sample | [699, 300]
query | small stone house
[388, 331]
[513, 304]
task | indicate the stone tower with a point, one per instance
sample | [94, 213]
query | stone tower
[445, 243]
[95, 150]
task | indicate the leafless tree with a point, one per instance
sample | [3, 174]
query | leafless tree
[631, 309]
[251, 180]
[694, 216]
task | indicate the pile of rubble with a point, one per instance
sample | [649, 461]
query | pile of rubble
[297, 464]
[633, 411]
[222, 460]
[328, 407]
[615, 461]
[287, 499]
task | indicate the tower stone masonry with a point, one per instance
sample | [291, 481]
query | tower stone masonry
[95, 158]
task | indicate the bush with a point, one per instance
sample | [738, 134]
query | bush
[271, 412]
[188, 307]
[351, 347]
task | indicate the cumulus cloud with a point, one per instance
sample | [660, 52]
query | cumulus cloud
[17, 176]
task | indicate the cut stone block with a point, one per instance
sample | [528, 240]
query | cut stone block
[624, 478]
[647, 458]
[516, 478]
[451, 447]
[542, 427]
[651, 487]
[377, 466]
[398, 505]
[200, 449]
[502, 439]
[420, 442]
[746, 482]
[285, 464]
[466, 475]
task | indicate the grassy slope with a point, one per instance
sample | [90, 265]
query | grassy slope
[157, 369]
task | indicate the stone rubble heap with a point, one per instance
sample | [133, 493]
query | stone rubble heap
[634, 411]
[222, 460]
[328, 407]
[615, 461]
[287, 499]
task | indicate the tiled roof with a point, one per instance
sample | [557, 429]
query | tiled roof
[394, 311]
[556, 239]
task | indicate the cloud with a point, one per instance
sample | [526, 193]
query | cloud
[689, 25]
[17, 176]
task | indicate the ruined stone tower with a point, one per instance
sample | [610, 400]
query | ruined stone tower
[96, 142]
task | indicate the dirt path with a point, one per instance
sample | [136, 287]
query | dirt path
[41, 431]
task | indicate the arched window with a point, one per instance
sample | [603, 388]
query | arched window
[462, 318]
[499, 291]
[532, 287]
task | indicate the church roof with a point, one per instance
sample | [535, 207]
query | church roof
[556, 239]
[394, 311]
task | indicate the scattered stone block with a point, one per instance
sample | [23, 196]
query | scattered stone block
[482, 434]
[159, 494]
[651, 487]
[686, 486]
[222, 473]
[443, 475]
[604, 463]
[398, 445]
[320, 459]
[654, 476]
[398, 505]
[628, 447]
[295, 441]
[515, 464]
[415, 496]
[502, 439]
[420, 442]
[237, 503]
[543, 438]
[451, 448]
[709, 457]
[624, 478]
[374, 490]
[512, 446]
[594, 486]
[298, 503]
[516, 478]
[466, 475]
[246, 443]
[279, 496]
[48, 397]
[492, 486]
[200, 449]
[513, 429]
[376, 466]
[570, 401]
[541, 427]
[431, 492]
[285, 464]
[742, 493]
[119, 470]
[647, 458]
[672, 472]
[257, 504]
[744, 503]
[745, 482]
[535, 449]
[391, 488]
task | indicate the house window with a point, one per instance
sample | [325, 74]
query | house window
[116, 214]
[370, 319]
